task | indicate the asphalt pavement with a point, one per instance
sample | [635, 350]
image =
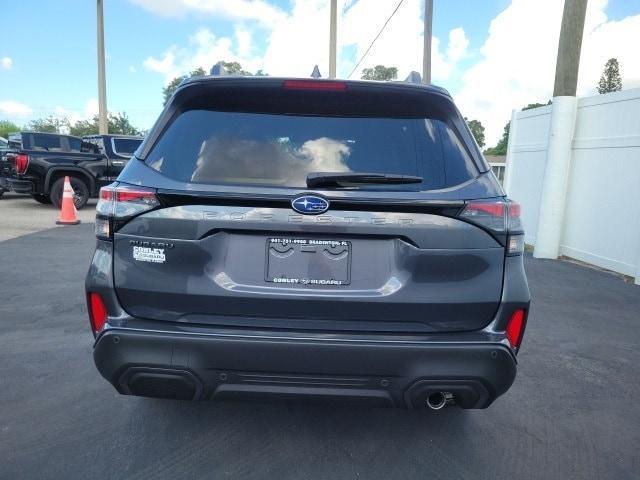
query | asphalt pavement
[20, 215]
[573, 412]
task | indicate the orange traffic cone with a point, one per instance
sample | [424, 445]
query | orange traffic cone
[68, 212]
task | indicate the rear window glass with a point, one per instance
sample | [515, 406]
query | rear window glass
[126, 146]
[46, 142]
[203, 146]
[75, 144]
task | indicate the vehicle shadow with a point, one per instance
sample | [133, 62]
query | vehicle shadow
[298, 440]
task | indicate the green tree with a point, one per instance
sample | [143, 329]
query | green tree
[501, 147]
[610, 81]
[49, 124]
[119, 123]
[536, 105]
[85, 127]
[234, 68]
[175, 83]
[7, 127]
[380, 72]
[477, 129]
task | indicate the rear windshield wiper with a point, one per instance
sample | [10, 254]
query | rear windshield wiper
[336, 179]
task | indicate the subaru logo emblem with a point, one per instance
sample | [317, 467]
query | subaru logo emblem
[310, 204]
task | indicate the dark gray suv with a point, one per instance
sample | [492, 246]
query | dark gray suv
[318, 239]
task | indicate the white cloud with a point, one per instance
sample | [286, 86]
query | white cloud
[89, 111]
[606, 40]
[515, 65]
[204, 50]
[6, 63]
[298, 40]
[258, 10]
[91, 108]
[22, 113]
[458, 44]
[243, 40]
[401, 43]
[518, 59]
[165, 65]
[14, 109]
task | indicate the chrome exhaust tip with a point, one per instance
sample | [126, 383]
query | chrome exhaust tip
[436, 400]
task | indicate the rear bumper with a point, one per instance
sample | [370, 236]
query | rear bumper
[20, 186]
[221, 365]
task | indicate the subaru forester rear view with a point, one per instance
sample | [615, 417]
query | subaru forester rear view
[304, 238]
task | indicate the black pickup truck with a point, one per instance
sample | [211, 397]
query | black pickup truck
[36, 164]
[4, 146]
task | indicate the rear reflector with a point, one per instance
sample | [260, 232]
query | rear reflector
[515, 328]
[325, 85]
[97, 312]
[22, 162]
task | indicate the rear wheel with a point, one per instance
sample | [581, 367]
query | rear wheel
[44, 199]
[80, 192]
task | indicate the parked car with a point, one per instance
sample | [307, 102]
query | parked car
[36, 163]
[118, 148]
[4, 185]
[339, 240]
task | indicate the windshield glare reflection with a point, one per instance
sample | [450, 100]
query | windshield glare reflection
[244, 160]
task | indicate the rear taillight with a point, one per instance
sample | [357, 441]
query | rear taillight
[22, 162]
[119, 203]
[97, 311]
[326, 85]
[515, 328]
[501, 217]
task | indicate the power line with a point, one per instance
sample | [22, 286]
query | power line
[376, 38]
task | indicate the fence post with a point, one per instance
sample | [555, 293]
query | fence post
[508, 168]
[556, 177]
[636, 279]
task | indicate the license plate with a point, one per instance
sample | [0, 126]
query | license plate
[308, 261]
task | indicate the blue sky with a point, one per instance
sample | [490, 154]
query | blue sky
[48, 64]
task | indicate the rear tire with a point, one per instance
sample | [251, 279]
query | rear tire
[43, 199]
[80, 192]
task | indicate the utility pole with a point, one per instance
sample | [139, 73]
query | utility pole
[103, 125]
[568, 62]
[563, 118]
[333, 27]
[426, 52]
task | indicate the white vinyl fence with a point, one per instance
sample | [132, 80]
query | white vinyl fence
[602, 211]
